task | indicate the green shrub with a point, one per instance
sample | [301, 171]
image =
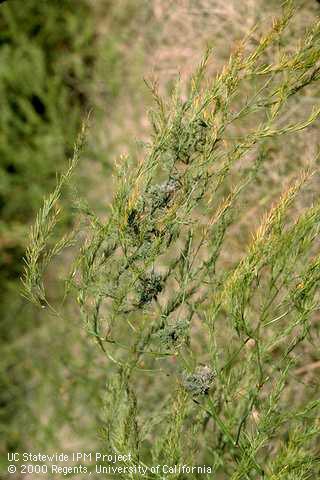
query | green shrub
[203, 356]
[45, 67]
[42, 86]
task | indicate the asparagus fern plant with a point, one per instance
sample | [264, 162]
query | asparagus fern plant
[204, 356]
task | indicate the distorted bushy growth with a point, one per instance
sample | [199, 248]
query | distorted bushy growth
[205, 358]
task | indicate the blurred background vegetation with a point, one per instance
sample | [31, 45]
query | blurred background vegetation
[58, 60]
